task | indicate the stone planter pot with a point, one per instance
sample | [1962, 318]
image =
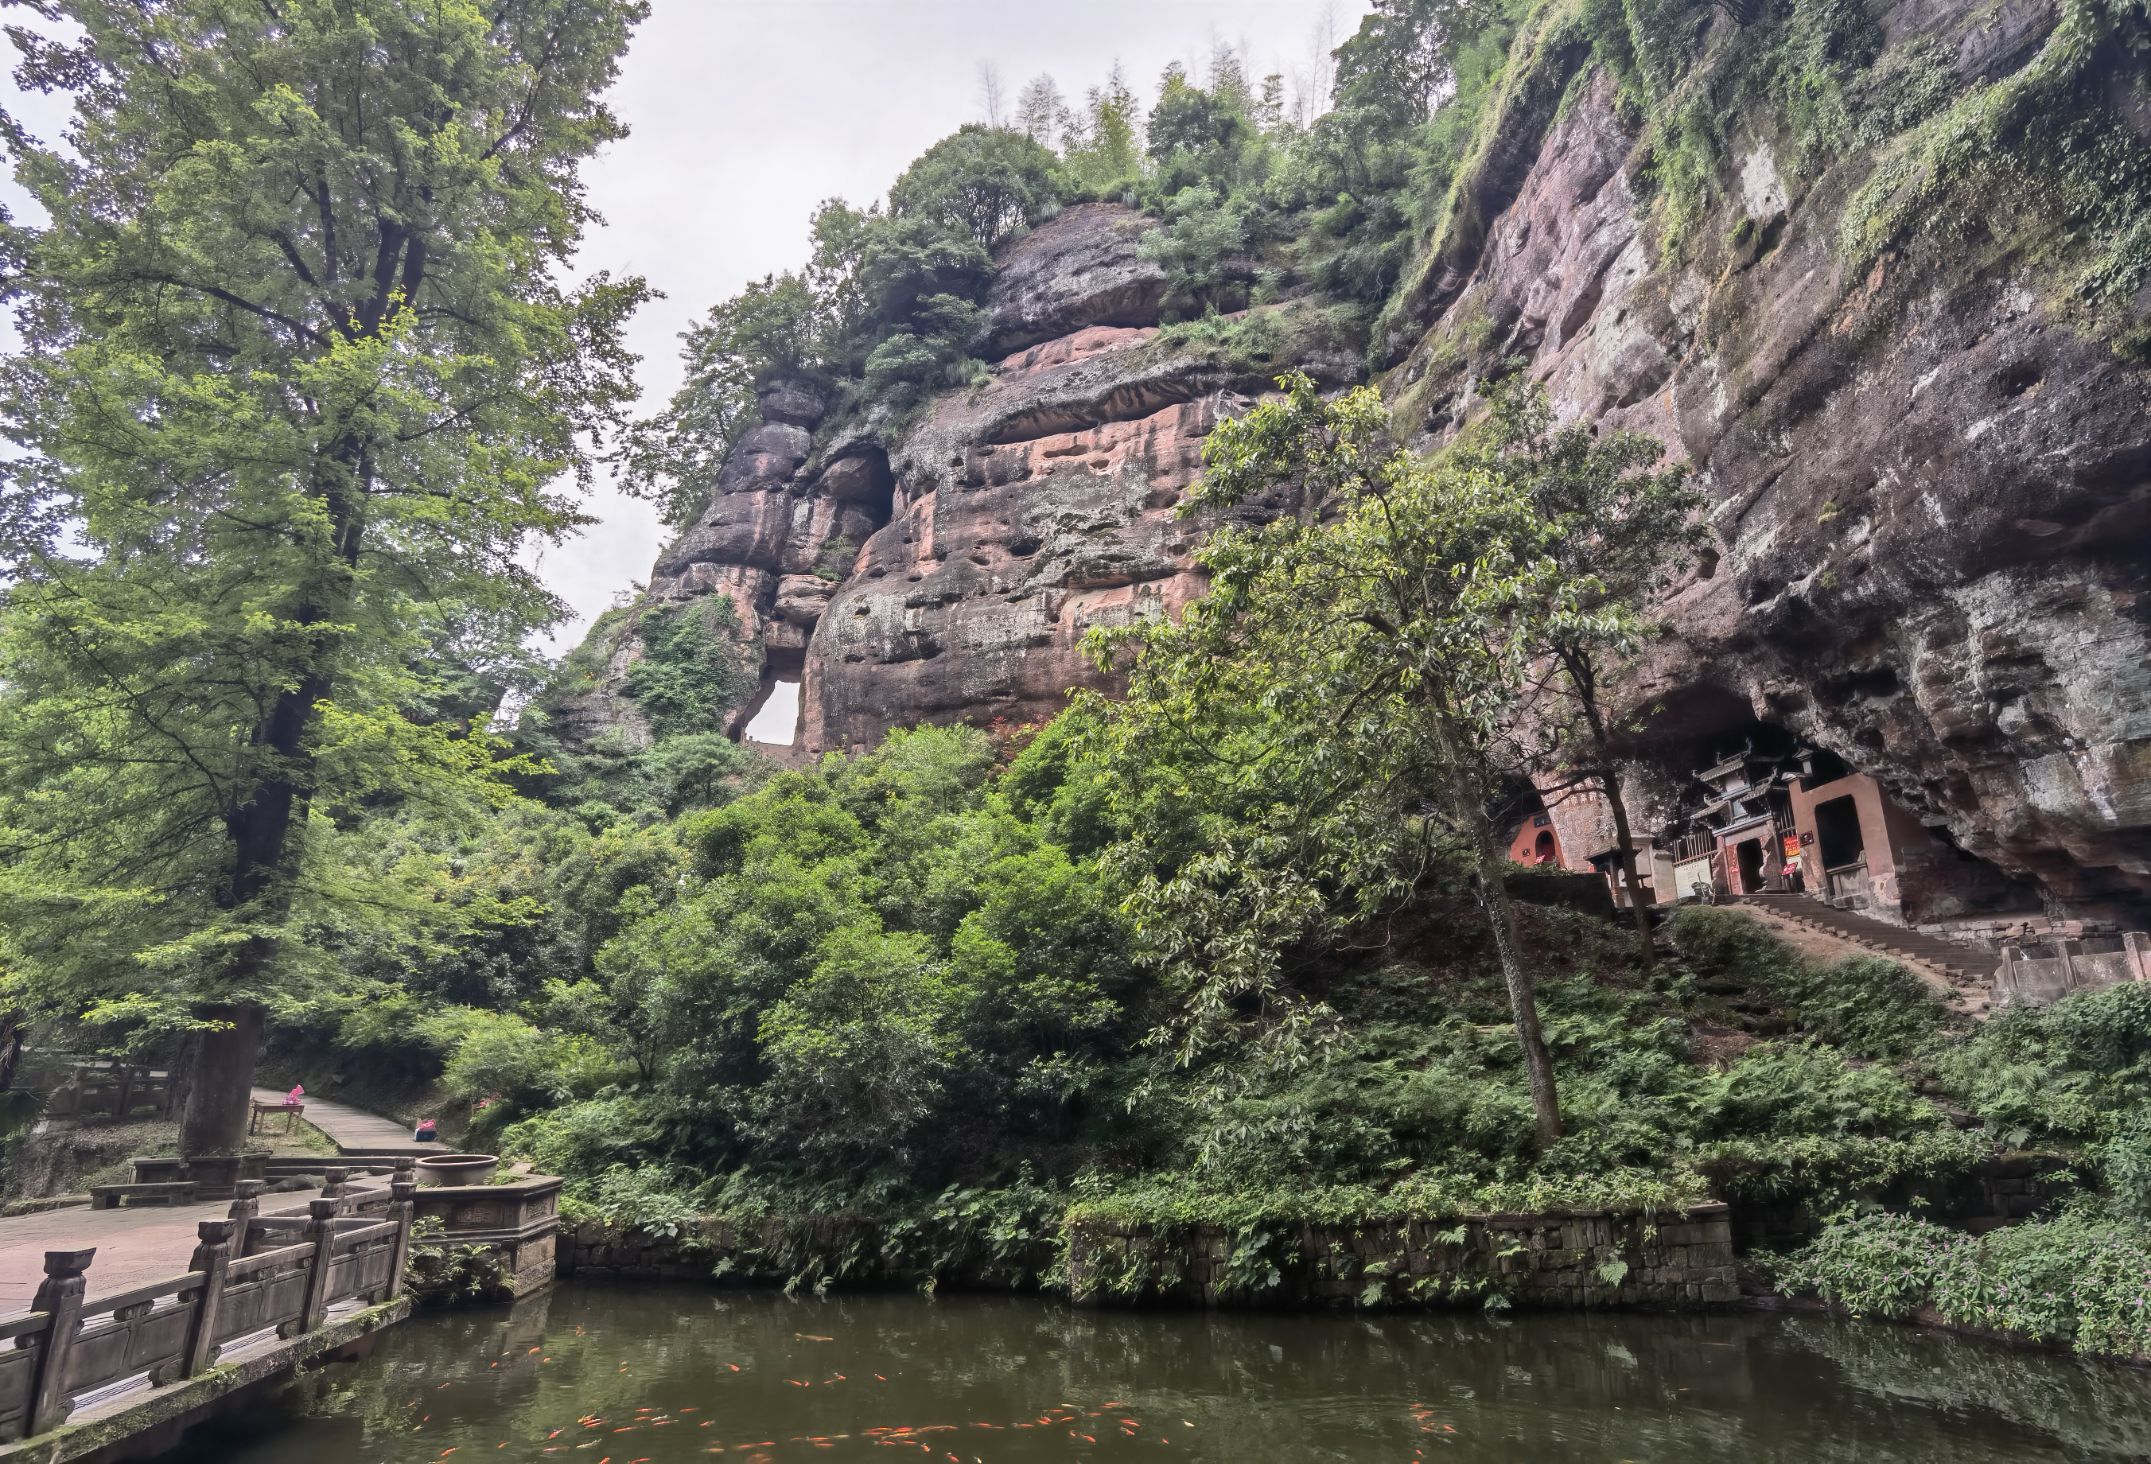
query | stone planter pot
[451, 1170]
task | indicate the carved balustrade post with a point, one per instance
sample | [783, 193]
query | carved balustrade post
[213, 1258]
[246, 1203]
[402, 1208]
[337, 1187]
[321, 1233]
[59, 1296]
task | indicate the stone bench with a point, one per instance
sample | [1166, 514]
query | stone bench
[162, 1192]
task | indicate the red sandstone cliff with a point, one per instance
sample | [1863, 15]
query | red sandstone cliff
[1930, 487]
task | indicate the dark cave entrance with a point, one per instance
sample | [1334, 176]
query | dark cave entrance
[1753, 864]
[1837, 833]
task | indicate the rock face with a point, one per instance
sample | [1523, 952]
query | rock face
[1932, 495]
[1930, 487]
[953, 574]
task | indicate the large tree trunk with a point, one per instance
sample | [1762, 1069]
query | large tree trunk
[12, 1027]
[1583, 677]
[1523, 999]
[221, 1077]
[1467, 800]
[215, 1118]
[1626, 853]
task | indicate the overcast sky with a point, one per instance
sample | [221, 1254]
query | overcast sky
[745, 114]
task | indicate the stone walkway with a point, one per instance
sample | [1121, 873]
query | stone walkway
[148, 1243]
[353, 1130]
[134, 1245]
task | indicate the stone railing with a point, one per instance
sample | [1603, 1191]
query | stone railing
[252, 1279]
[2043, 973]
[517, 1222]
[110, 1090]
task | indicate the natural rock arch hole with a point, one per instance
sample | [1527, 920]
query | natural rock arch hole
[772, 718]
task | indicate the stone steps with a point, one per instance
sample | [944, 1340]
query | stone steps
[1967, 968]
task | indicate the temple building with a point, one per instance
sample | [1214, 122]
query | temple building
[1751, 810]
[1535, 841]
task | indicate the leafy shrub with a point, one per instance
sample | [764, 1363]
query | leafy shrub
[2125, 1162]
[644, 1198]
[500, 1056]
[2082, 1278]
[1834, 1171]
[1202, 248]
[2068, 1071]
[583, 1139]
[1865, 1004]
[1788, 1089]
[986, 182]
[693, 668]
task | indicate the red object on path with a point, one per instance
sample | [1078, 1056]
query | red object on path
[298, 1092]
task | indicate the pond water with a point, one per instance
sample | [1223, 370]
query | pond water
[659, 1375]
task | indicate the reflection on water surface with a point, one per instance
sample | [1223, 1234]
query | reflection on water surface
[657, 1375]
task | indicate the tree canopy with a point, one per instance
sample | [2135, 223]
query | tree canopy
[300, 375]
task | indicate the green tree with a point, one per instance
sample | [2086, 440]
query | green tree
[1336, 715]
[1102, 144]
[987, 182]
[1203, 249]
[773, 325]
[1039, 109]
[1630, 532]
[1402, 56]
[300, 369]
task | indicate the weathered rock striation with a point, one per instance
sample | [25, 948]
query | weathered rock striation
[1931, 490]
[953, 574]
[1930, 484]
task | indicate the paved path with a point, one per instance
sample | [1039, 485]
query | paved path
[150, 1242]
[134, 1245]
[352, 1130]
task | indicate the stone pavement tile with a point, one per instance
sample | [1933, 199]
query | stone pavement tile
[134, 1245]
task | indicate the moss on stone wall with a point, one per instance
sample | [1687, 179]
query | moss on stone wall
[2042, 163]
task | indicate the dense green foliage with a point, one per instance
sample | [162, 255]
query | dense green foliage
[1869, 1006]
[2078, 1279]
[1210, 952]
[298, 371]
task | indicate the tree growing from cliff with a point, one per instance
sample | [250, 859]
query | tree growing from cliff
[776, 324]
[987, 182]
[299, 369]
[1102, 142]
[1336, 714]
[1402, 57]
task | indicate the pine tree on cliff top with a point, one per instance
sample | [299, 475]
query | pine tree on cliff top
[298, 372]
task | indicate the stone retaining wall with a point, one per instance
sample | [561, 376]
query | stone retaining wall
[1560, 1258]
[1992, 1193]
[1555, 1258]
[750, 1252]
